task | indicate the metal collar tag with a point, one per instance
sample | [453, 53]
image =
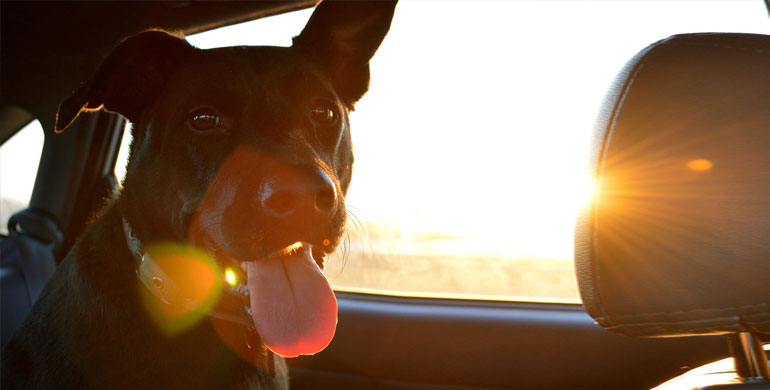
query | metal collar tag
[150, 274]
[155, 280]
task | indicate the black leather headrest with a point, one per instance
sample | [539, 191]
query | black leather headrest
[677, 241]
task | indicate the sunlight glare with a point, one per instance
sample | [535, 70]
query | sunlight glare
[700, 165]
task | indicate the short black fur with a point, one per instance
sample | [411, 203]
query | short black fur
[89, 328]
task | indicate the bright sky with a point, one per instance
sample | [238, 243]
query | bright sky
[479, 115]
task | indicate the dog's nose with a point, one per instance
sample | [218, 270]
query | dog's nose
[312, 193]
[326, 195]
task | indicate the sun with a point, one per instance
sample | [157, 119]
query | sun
[584, 190]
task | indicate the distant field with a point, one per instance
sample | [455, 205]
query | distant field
[390, 259]
[538, 279]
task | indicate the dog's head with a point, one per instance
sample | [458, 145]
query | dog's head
[245, 152]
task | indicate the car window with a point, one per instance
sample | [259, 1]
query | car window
[472, 141]
[19, 158]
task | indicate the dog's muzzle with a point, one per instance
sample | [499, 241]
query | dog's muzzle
[291, 306]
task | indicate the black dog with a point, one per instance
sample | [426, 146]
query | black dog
[205, 270]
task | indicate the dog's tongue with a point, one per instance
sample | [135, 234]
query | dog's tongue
[293, 306]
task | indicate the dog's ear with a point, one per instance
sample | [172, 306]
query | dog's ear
[128, 78]
[343, 36]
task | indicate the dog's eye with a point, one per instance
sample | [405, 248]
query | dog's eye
[324, 113]
[204, 119]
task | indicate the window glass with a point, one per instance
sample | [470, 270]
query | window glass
[471, 143]
[19, 158]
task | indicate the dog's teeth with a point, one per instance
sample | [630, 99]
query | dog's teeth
[248, 310]
[243, 290]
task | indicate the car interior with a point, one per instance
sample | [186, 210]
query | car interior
[671, 252]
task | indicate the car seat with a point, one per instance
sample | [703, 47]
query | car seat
[676, 242]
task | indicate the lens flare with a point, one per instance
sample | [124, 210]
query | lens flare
[700, 165]
[231, 277]
[184, 285]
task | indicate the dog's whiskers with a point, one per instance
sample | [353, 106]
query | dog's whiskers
[354, 227]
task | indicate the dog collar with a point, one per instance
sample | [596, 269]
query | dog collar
[150, 274]
[162, 286]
